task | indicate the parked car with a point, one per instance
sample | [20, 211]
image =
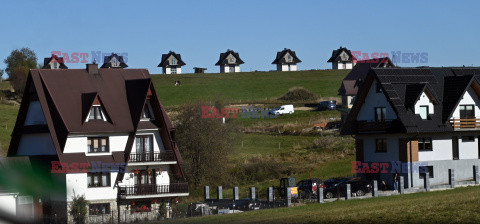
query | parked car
[358, 186]
[284, 109]
[309, 188]
[327, 105]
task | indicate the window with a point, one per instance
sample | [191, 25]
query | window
[424, 169]
[96, 113]
[381, 145]
[425, 144]
[468, 138]
[146, 111]
[145, 177]
[97, 144]
[424, 112]
[55, 65]
[98, 180]
[232, 59]
[289, 58]
[144, 147]
[173, 70]
[99, 209]
[378, 87]
[466, 111]
[380, 114]
[174, 61]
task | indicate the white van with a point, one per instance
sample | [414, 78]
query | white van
[284, 109]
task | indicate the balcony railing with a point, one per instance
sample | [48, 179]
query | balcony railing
[152, 157]
[153, 189]
[373, 126]
[459, 123]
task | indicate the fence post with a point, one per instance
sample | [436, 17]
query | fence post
[451, 179]
[206, 193]
[475, 174]
[219, 192]
[427, 181]
[320, 194]
[375, 189]
[401, 188]
[348, 193]
[252, 193]
[270, 194]
[235, 194]
[289, 196]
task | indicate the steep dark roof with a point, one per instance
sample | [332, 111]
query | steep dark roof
[280, 59]
[46, 62]
[107, 59]
[336, 55]
[165, 57]
[402, 88]
[359, 73]
[223, 58]
[67, 95]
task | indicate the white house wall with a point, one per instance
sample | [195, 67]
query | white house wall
[77, 183]
[293, 67]
[369, 147]
[36, 144]
[35, 114]
[78, 143]
[469, 98]
[374, 99]
[162, 178]
[424, 101]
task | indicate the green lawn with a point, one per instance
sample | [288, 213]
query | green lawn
[452, 206]
[302, 117]
[245, 86]
[8, 116]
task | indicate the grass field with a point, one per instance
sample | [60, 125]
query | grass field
[8, 116]
[246, 86]
[452, 206]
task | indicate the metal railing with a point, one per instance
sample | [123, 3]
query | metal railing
[458, 123]
[153, 189]
[152, 157]
[373, 126]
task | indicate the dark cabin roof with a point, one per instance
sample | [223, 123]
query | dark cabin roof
[336, 55]
[355, 78]
[66, 96]
[107, 60]
[280, 59]
[46, 62]
[223, 58]
[402, 88]
[165, 61]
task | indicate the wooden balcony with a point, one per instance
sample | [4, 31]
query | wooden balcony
[152, 157]
[373, 126]
[153, 190]
[465, 123]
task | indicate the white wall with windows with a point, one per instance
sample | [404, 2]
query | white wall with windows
[156, 140]
[469, 98]
[370, 147]
[78, 184]
[375, 99]
[79, 143]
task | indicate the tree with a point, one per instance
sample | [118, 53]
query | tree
[205, 144]
[19, 62]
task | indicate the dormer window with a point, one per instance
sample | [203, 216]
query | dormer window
[174, 61]
[55, 65]
[96, 113]
[232, 59]
[424, 112]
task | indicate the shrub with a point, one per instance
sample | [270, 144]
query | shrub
[299, 94]
[78, 209]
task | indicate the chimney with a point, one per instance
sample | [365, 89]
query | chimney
[92, 69]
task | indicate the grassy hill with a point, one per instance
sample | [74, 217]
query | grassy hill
[451, 206]
[245, 86]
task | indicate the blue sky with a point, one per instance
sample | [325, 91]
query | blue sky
[447, 30]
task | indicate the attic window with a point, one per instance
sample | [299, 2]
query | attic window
[232, 59]
[147, 112]
[96, 113]
[174, 61]
[55, 65]
[379, 87]
[424, 112]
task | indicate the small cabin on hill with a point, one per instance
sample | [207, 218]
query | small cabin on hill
[229, 62]
[342, 58]
[171, 63]
[286, 60]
